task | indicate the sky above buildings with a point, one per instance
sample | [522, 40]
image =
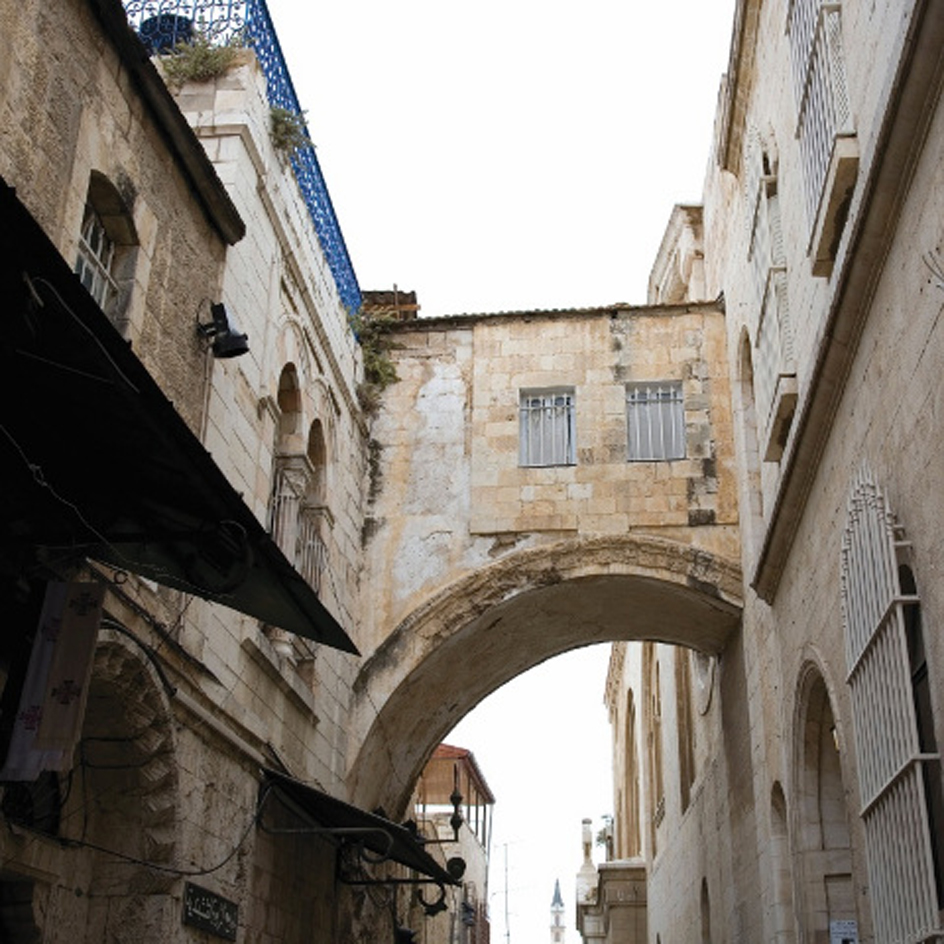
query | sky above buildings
[507, 154]
[503, 156]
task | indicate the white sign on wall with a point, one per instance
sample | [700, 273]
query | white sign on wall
[843, 932]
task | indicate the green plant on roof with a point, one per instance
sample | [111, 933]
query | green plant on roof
[199, 60]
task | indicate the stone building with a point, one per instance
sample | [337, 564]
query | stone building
[183, 452]
[283, 586]
[453, 806]
[787, 787]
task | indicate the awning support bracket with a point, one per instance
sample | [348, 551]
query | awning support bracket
[353, 837]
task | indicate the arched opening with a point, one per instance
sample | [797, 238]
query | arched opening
[705, 913]
[782, 876]
[124, 796]
[823, 838]
[317, 453]
[289, 399]
[515, 614]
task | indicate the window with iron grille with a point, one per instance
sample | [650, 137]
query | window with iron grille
[898, 760]
[547, 427]
[655, 421]
[814, 30]
[95, 259]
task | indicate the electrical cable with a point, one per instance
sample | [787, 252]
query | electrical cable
[170, 870]
[52, 288]
[39, 477]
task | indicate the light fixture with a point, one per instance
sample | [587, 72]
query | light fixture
[227, 341]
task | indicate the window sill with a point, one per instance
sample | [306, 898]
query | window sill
[282, 672]
[834, 204]
[781, 417]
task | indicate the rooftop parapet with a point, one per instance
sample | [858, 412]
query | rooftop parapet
[161, 24]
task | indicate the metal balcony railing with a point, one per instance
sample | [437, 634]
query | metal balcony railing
[163, 23]
[295, 523]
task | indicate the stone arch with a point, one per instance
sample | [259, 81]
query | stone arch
[289, 399]
[291, 346]
[748, 437]
[823, 839]
[317, 452]
[321, 412]
[504, 619]
[780, 865]
[126, 768]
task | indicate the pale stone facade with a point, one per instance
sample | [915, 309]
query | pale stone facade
[167, 787]
[761, 811]
[716, 482]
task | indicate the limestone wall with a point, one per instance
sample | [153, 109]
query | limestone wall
[449, 493]
[279, 290]
[67, 110]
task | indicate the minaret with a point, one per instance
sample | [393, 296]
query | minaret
[557, 915]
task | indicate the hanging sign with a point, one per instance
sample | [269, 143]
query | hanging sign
[210, 912]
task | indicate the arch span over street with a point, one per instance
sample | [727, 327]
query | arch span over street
[492, 625]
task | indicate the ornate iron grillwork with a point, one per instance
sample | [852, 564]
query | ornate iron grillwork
[163, 23]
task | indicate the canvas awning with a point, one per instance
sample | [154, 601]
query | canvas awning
[383, 838]
[97, 462]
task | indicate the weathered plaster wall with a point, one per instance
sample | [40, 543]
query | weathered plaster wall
[450, 496]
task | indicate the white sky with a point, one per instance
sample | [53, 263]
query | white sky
[543, 744]
[507, 154]
[501, 156]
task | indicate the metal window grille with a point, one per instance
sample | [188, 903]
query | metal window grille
[819, 81]
[655, 421]
[95, 259]
[295, 525]
[548, 430]
[890, 762]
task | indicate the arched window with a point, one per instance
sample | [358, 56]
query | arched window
[630, 838]
[686, 732]
[297, 507]
[106, 254]
[780, 867]
[290, 405]
[900, 784]
[318, 457]
[824, 845]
